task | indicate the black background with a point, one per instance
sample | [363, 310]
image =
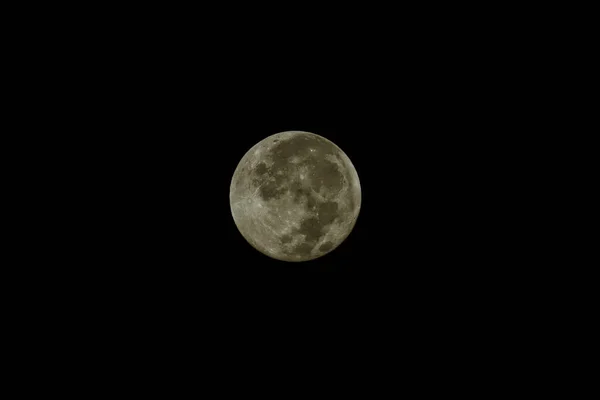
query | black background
[177, 131]
[175, 107]
[152, 111]
[162, 110]
[147, 113]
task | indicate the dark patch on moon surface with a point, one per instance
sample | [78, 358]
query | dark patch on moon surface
[261, 168]
[304, 249]
[271, 190]
[326, 246]
[311, 227]
[286, 239]
[315, 227]
[311, 203]
[327, 212]
[328, 176]
[300, 194]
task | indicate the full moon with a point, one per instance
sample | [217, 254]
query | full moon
[295, 196]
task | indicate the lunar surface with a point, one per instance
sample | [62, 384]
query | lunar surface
[295, 196]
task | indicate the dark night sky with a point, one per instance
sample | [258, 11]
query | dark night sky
[406, 147]
[174, 115]
[154, 110]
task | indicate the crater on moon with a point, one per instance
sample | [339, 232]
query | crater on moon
[295, 196]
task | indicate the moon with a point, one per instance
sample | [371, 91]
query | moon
[295, 196]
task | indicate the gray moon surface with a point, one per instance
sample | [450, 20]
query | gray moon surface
[295, 196]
